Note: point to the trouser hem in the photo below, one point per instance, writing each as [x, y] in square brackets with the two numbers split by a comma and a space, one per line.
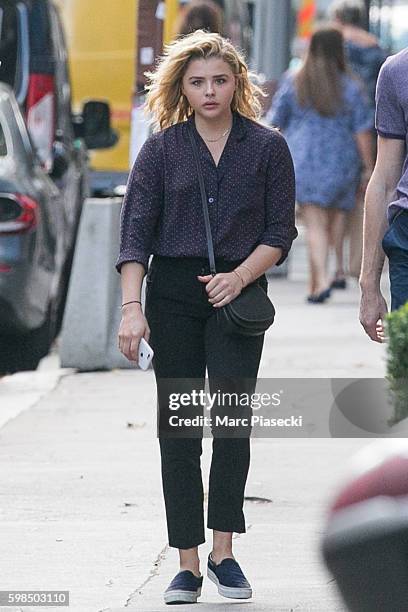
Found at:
[226, 528]
[185, 545]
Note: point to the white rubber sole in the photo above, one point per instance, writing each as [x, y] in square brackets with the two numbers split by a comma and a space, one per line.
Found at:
[231, 592]
[181, 597]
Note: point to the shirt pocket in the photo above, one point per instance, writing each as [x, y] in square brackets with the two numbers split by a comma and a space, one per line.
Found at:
[252, 189]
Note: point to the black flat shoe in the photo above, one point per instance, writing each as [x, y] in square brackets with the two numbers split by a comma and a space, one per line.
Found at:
[319, 298]
[229, 579]
[339, 283]
[184, 588]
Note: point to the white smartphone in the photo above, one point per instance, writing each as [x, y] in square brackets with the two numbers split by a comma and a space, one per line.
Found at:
[145, 354]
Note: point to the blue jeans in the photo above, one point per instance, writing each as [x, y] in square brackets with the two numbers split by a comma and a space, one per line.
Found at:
[395, 246]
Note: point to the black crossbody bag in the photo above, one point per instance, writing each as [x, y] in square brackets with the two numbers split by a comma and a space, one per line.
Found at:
[251, 313]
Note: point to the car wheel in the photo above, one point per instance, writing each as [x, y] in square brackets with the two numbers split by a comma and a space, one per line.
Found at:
[24, 352]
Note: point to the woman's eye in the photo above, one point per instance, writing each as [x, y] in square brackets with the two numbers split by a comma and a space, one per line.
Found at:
[196, 83]
[220, 81]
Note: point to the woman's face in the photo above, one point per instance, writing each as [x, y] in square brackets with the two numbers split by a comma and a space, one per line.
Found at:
[209, 86]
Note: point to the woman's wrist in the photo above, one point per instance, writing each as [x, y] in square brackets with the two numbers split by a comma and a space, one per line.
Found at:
[246, 273]
[240, 278]
[131, 305]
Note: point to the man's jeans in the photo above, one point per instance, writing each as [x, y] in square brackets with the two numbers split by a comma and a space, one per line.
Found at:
[395, 246]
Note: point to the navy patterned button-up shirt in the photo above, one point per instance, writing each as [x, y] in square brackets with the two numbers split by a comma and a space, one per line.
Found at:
[251, 195]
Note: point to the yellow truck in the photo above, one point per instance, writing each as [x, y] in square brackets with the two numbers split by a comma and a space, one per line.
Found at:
[107, 63]
[101, 40]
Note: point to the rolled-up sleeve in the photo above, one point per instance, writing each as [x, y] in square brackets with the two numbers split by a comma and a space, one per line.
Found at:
[390, 121]
[142, 204]
[280, 230]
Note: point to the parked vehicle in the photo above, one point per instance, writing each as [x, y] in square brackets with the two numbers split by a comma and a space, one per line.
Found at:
[102, 48]
[43, 177]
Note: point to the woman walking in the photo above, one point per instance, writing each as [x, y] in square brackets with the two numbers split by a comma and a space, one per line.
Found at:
[365, 57]
[201, 97]
[323, 113]
[200, 15]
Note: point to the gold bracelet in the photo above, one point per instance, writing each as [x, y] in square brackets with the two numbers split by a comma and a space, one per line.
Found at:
[249, 269]
[240, 278]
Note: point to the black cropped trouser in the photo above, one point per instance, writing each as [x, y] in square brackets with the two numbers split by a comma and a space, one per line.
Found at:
[187, 339]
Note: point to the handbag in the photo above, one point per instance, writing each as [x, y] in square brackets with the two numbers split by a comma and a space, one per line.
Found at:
[251, 313]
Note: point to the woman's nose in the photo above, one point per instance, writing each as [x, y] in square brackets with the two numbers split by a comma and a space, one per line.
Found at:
[209, 91]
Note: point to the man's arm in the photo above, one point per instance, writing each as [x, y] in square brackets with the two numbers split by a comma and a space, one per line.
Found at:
[381, 191]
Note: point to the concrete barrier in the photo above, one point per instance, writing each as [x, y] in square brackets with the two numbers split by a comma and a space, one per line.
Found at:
[92, 313]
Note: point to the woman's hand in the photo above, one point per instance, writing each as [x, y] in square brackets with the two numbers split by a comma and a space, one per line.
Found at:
[222, 288]
[133, 327]
[364, 180]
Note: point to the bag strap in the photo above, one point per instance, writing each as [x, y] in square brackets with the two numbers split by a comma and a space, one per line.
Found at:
[208, 233]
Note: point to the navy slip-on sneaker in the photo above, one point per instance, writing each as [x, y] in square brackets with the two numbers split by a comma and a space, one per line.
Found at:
[229, 578]
[184, 588]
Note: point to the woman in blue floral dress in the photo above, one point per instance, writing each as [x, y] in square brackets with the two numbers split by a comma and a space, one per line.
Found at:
[365, 57]
[323, 112]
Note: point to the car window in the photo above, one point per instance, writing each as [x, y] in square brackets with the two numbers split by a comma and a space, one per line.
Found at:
[8, 42]
[14, 47]
[3, 146]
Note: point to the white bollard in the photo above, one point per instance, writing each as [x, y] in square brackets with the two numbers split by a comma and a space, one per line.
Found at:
[92, 312]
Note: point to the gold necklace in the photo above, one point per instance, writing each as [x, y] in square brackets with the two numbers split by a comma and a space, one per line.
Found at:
[219, 138]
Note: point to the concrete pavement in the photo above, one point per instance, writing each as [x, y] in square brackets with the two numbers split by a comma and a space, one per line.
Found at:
[81, 502]
[82, 507]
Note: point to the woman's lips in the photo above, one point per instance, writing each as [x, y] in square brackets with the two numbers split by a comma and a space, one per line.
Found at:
[210, 104]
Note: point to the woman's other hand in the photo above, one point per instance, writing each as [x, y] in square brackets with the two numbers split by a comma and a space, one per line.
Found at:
[222, 288]
[364, 180]
[133, 327]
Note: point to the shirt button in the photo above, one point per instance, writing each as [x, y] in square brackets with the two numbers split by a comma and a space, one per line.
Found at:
[211, 200]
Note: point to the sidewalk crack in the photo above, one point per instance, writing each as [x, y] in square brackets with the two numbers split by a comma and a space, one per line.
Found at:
[153, 572]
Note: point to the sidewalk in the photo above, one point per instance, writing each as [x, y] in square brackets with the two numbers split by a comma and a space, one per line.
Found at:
[82, 506]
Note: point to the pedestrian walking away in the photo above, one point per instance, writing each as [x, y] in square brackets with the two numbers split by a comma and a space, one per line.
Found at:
[201, 99]
[323, 113]
[365, 57]
[200, 15]
[387, 190]
[363, 50]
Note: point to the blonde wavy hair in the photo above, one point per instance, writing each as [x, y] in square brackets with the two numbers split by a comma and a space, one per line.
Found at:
[165, 102]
